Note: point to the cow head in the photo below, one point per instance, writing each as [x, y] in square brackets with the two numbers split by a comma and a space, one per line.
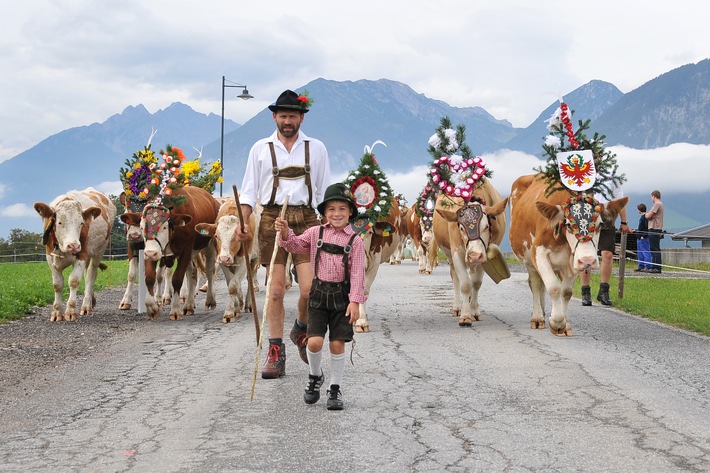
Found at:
[132, 221]
[224, 235]
[474, 224]
[65, 224]
[426, 226]
[580, 219]
[157, 224]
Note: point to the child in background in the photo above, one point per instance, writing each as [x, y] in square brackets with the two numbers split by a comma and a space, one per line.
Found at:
[643, 247]
[338, 263]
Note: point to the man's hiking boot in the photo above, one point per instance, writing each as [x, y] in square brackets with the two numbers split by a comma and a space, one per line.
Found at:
[298, 337]
[312, 393]
[335, 398]
[275, 364]
[586, 295]
[603, 295]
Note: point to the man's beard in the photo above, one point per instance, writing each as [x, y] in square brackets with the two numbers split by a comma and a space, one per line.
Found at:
[289, 131]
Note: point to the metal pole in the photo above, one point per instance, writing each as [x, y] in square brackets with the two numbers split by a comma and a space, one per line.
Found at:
[221, 143]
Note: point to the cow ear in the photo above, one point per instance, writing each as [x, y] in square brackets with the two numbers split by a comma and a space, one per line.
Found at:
[206, 229]
[180, 220]
[615, 206]
[553, 213]
[448, 215]
[91, 213]
[499, 208]
[130, 218]
[44, 210]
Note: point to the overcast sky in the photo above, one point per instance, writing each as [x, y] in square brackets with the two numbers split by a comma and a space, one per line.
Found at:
[75, 62]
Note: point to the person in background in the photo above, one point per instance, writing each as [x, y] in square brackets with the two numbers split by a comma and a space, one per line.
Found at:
[655, 231]
[643, 249]
[287, 163]
[607, 243]
[337, 258]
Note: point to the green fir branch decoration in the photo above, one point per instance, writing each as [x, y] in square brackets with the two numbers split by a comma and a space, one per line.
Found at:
[608, 176]
[369, 172]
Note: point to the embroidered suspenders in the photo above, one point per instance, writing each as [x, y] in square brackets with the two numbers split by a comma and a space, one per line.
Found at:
[291, 172]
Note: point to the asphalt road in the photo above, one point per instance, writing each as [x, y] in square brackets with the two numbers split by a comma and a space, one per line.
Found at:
[423, 394]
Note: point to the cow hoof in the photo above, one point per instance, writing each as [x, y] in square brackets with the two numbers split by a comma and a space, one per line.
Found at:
[465, 322]
[55, 317]
[567, 332]
[455, 312]
[70, 316]
[362, 328]
[87, 312]
[537, 324]
[124, 306]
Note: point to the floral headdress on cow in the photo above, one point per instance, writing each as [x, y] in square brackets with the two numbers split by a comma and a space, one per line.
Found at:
[454, 172]
[136, 175]
[369, 185]
[202, 175]
[575, 162]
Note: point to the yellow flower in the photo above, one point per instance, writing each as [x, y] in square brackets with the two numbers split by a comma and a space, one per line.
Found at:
[129, 174]
[142, 195]
[136, 165]
[190, 167]
[129, 192]
[220, 180]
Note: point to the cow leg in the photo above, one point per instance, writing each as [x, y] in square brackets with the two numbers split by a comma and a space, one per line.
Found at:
[210, 257]
[89, 301]
[127, 299]
[476, 277]
[229, 313]
[537, 287]
[559, 323]
[184, 266]
[151, 306]
[58, 285]
[234, 276]
[74, 280]
[421, 256]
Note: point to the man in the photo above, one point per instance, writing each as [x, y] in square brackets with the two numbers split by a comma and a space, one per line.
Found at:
[286, 164]
[655, 231]
[607, 243]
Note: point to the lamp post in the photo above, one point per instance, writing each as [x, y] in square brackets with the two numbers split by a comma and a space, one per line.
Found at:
[244, 96]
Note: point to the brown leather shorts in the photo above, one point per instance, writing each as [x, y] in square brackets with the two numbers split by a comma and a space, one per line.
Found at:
[299, 218]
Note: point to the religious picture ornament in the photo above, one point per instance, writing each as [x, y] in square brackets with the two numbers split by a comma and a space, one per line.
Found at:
[581, 212]
[371, 190]
[577, 170]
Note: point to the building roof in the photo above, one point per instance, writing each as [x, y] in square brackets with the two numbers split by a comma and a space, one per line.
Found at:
[694, 234]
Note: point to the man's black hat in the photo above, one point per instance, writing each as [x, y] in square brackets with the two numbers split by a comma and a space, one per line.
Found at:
[288, 100]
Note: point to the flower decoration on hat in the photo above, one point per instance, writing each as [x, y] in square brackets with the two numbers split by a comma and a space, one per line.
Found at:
[370, 187]
[575, 162]
[305, 100]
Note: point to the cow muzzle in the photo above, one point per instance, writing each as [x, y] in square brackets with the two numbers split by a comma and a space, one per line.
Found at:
[586, 263]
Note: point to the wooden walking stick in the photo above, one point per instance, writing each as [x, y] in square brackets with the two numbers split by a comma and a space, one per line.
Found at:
[266, 299]
[250, 276]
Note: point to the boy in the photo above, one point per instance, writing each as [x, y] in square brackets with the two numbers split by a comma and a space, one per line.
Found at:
[338, 263]
[643, 247]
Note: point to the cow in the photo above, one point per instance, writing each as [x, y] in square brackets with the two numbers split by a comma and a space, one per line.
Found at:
[381, 240]
[230, 255]
[398, 254]
[134, 238]
[469, 234]
[172, 232]
[77, 229]
[422, 234]
[556, 241]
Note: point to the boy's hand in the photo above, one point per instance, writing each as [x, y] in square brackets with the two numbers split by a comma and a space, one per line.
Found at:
[281, 225]
[353, 311]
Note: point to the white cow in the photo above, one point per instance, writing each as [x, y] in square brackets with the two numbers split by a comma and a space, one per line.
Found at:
[230, 255]
[77, 229]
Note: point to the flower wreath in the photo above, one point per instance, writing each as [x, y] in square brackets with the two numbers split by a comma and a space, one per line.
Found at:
[166, 177]
[457, 176]
[425, 205]
[136, 174]
[369, 185]
[580, 216]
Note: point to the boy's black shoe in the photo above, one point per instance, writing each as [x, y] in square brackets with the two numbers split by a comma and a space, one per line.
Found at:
[335, 398]
[312, 393]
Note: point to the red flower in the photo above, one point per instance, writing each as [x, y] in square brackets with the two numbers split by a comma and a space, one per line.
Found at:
[302, 98]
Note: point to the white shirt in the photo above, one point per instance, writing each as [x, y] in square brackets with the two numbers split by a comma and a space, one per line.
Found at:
[259, 179]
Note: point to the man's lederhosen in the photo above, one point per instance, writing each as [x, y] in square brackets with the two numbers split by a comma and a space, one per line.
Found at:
[328, 299]
[299, 217]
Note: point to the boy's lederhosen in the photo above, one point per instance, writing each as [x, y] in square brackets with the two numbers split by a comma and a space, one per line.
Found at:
[299, 217]
[328, 301]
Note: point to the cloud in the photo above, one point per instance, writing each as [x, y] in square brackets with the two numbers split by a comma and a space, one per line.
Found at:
[17, 211]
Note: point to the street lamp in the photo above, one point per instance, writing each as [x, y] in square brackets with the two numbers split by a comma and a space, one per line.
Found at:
[244, 96]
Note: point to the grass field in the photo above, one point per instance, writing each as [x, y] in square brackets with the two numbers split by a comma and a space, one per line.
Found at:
[29, 285]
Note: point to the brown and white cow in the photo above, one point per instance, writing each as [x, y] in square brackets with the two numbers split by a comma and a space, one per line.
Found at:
[398, 254]
[422, 233]
[230, 255]
[469, 235]
[554, 248]
[381, 240]
[77, 229]
[134, 238]
[172, 232]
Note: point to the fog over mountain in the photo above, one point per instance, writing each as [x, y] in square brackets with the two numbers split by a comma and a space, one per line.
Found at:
[660, 132]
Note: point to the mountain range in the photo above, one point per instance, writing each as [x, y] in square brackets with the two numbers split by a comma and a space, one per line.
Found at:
[347, 115]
